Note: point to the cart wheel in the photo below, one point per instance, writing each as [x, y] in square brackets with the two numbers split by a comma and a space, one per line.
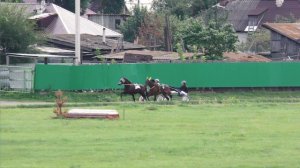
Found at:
[160, 98]
[185, 98]
[141, 99]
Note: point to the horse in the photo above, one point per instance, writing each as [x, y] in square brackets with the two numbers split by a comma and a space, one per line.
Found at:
[155, 88]
[132, 89]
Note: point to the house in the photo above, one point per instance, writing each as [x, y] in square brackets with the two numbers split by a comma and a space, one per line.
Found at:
[91, 43]
[57, 20]
[59, 26]
[248, 15]
[285, 40]
[111, 21]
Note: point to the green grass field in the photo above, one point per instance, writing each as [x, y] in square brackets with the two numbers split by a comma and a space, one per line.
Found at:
[253, 129]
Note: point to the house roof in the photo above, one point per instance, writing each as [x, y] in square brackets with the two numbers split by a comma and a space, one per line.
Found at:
[288, 7]
[156, 55]
[239, 10]
[90, 42]
[244, 57]
[62, 21]
[65, 24]
[290, 30]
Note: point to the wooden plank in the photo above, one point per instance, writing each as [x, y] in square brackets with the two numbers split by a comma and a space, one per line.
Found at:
[92, 113]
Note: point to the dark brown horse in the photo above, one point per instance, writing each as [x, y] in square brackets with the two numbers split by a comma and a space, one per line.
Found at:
[155, 89]
[132, 89]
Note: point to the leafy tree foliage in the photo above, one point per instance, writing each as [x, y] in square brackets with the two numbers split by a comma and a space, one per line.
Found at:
[70, 4]
[212, 39]
[130, 28]
[16, 31]
[109, 6]
[182, 8]
[151, 32]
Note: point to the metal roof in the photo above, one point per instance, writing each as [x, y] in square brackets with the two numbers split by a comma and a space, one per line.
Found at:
[62, 21]
[65, 24]
[91, 42]
[239, 10]
[290, 30]
[38, 55]
[156, 55]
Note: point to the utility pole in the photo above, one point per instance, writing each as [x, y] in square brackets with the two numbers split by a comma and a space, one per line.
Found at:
[77, 35]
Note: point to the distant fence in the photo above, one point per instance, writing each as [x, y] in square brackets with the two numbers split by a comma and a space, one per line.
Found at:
[197, 75]
[16, 78]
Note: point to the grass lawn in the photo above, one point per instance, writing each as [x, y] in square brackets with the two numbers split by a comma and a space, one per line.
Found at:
[225, 130]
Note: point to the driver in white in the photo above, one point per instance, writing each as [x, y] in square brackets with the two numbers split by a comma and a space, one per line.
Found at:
[183, 90]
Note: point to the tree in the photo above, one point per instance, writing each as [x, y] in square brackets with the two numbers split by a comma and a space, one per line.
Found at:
[130, 28]
[212, 39]
[183, 8]
[16, 31]
[151, 32]
[108, 6]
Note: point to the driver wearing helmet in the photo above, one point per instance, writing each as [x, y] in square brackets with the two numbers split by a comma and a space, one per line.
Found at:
[157, 82]
[183, 89]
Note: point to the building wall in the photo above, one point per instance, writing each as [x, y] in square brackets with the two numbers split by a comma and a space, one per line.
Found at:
[242, 36]
[109, 21]
[283, 47]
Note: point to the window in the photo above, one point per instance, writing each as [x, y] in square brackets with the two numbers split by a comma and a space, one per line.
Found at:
[117, 23]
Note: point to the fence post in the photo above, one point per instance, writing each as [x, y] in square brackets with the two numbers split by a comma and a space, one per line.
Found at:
[7, 60]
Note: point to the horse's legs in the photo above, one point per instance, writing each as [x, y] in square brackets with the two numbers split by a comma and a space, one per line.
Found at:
[170, 96]
[167, 97]
[133, 97]
[154, 97]
[144, 96]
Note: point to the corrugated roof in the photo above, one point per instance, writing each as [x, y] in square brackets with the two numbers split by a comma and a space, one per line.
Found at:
[290, 30]
[65, 24]
[288, 7]
[257, 11]
[240, 9]
[156, 55]
[244, 57]
[238, 12]
[90, 42]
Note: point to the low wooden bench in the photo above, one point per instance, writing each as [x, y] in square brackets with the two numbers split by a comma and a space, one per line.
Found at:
[92, 113]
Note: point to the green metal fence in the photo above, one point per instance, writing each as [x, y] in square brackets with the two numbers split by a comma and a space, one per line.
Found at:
[198, 75]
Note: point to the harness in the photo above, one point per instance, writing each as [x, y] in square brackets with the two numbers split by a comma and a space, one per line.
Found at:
[136, 86]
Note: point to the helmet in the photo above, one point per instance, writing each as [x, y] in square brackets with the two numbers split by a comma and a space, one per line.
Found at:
[156, 80]
[183, 82]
